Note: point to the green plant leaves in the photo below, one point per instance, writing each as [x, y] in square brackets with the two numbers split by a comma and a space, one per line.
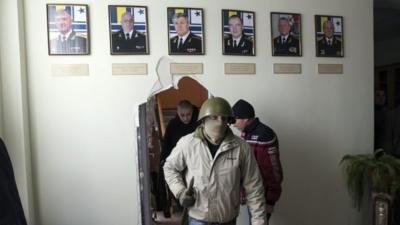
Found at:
[365, 171]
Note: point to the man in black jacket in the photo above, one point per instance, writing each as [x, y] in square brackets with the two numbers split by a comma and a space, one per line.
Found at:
[11, 212]
[185, 122]
[67, 41]
[329, 45]
[185, 41]
[237, 42]
[128, 40]
[286, 44]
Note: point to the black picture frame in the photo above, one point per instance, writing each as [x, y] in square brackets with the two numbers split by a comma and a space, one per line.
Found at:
[137, 42]
[329, 41]
[291, 28]
[193, 31]
[242, 24]
[68, 30]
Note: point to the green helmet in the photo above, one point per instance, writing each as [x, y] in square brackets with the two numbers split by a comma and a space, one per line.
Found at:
[216, 107]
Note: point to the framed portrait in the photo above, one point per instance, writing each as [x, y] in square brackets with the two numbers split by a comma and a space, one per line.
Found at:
[185, 31]
[238, 32]
[128, 30]
[329, 36]
[68, 29]
[286, 34]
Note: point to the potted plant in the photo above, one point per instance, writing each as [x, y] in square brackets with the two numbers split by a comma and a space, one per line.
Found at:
[379, 174]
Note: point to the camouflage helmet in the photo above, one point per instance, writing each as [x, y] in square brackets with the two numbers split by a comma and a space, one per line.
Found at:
[216, 107]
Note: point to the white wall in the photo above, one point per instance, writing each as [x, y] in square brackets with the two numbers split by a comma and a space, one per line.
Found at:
[82, 137]
[14, 102]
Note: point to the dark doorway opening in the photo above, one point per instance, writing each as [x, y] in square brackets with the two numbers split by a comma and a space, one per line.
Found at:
[387, 84]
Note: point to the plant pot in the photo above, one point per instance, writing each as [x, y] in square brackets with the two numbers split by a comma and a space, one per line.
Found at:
[381, 203]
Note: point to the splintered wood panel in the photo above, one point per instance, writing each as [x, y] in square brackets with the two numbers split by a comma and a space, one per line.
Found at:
[188, 89]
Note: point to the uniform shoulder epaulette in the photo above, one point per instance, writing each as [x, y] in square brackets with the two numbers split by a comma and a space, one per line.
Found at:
[196, 37]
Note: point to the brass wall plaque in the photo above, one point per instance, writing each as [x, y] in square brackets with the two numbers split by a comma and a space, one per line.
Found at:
[287, 68]
[240, 68]
[129, 69]
[186, 68]
[70, 69]
[330, 68]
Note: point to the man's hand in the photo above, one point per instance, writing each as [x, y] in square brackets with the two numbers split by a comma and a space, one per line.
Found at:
[187, 199]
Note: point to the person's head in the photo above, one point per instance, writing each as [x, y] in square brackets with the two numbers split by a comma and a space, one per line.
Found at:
[235, 26]
[185, 111]
[243, 113]
[181, 22]
[283, 26]
[127, 22]
[328, 28]
[216, 114]
[63, 21]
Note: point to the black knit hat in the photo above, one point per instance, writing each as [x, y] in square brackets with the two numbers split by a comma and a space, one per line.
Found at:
[243, 110]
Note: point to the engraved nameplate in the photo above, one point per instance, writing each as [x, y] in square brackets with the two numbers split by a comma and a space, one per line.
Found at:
[330, 68]
[70, 69]
[287, 68]
[186, 68]
[129, 69]
[240, 68]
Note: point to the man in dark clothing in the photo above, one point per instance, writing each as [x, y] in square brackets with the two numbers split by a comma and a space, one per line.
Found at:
[329, 44]
[237, 42]
[286, 44]
[67, 40]
[128, 40]
[265, 146]
[184, 41]
[11, 212]
[185, 122]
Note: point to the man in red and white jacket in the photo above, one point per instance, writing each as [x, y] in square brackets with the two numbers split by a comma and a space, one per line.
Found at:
[265, 146]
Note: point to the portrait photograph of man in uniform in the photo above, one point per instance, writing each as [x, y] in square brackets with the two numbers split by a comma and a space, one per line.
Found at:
[68, 29]
[128, 30]
[238, 32]
[286, 34]
[329, 36]
[185, 31]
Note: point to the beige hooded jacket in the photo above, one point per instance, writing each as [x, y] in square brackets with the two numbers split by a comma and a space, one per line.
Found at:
[217, 180]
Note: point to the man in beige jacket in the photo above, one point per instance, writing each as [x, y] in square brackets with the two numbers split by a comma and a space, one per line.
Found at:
[215, 163]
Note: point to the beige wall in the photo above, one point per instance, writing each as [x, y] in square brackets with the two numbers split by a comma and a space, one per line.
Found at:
[82, 128]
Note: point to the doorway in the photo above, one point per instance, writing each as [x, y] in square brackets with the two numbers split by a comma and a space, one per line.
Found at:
[158, 206]
[387, 85]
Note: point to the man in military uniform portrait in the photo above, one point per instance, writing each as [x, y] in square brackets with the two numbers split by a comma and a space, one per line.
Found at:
[185, 41]
[128, 40]
[285, 44]
[237, 42]
[329, 45]
[67, 41]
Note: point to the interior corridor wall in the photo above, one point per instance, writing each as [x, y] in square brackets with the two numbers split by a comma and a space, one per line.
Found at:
[82, 127]
[14, 122]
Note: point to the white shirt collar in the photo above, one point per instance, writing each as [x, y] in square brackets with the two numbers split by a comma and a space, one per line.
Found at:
[130, 34]
[65, 35]
[184, 37]
[237, 39]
